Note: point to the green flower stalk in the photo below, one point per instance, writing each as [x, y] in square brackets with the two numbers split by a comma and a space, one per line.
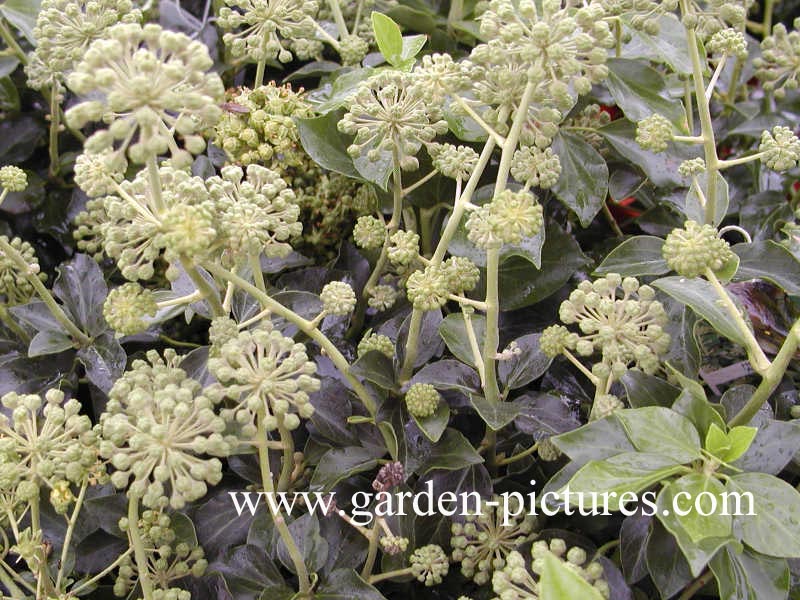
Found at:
[389, 113]
[158, 429]
[265, 373]
[422, 400]
[168, 560]
[483, 542]
[146, 81]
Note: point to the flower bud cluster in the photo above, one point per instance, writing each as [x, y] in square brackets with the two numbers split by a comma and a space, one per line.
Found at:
[643, 15]
[268, 376]
[382, 297]
[369, 232]
[99, 174]
[728, 42]
[404, 248]
[13, 179]
[626, 331]
[778, 67]
[14, 283]
[157, 430]
[150, 81]
[338, 298]
[66, 28]
[44, 442]
[126, 306]
[257, 213]
[430, 288]
[138, 225]
[437, 76]
[422, 400]
[389, 113]
[536, 168]
[509, 217]
[590, 118]
[483, 542]
[695, 248]
[654, 133]
[377, 343]
[455, 162]
[168, 558]
[264, 23]
[258, 126]
[515, 582]
[429, 564]
[781, 148]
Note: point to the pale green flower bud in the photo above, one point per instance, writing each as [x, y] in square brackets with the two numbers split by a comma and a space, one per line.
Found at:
[14, 283]
[508, 218]
[455, 162]
[13, 179]
[781, 148]
[555, 339]
[728, 42]
[352, 49]
[338, 298]
[369, 233]
[404, 248]
[126, 306]
[535, 167]
[422, 400]
[604, 405]
[376, 342]
[382, 297]
[654, 133]
[692, 167]
[429, 564]
[428, 289]
[695, 248]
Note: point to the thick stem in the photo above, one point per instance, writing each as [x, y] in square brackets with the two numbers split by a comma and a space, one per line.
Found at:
[139, 552]
[492, 336]
[756, 355]
[412, 345]
[54, 307]
[766, 23]
[372, 552]
[280, 523]
[287, 465]
[262, 62]
[520, 456]
[11, 42]
[155, 184]
[706, 125]
[697, 585]
[390, 575]
[208, 292]
[771, 379]
[55, 125]
[258, 274]
[338, 18]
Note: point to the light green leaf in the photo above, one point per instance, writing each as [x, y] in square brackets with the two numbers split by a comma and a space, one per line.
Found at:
[388, 37]
[453, 330]
[731, 445]
[690, 509]
[636, 256]
[668, 46]
[701, 297]
[744, 575]
[412, 44]
[659, 430]
[774, 529]
[558, 582]
[626, 472]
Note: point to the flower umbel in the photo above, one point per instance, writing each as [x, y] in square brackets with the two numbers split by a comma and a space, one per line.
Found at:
[151, 81]
[695, 248]
[158, 425]
[268, 375]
